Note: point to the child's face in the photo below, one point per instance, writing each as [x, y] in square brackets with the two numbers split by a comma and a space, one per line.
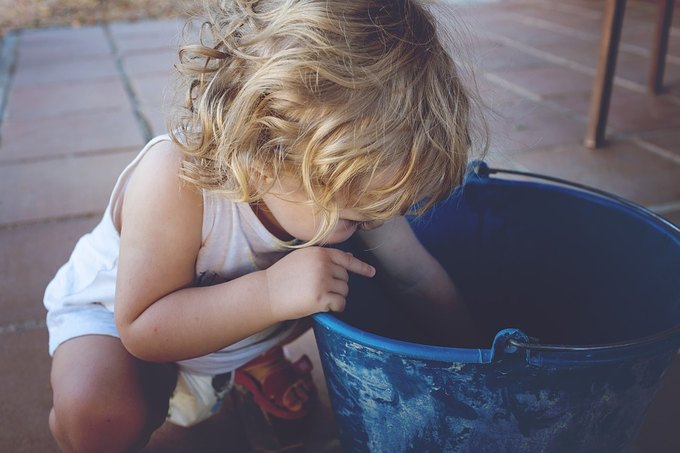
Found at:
[289, 214]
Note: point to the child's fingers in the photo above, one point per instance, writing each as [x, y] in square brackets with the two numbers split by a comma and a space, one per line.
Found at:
[352, 264]
[335, 302]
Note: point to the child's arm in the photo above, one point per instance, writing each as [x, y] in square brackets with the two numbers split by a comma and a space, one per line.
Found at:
[161, 317]
[420, 283]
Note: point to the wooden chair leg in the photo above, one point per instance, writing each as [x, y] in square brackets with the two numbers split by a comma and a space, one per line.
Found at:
[658, 60]
[604, 75]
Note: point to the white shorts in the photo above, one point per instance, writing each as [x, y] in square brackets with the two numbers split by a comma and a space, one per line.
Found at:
[72, 321]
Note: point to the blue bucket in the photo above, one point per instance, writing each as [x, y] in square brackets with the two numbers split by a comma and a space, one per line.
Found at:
[578, 296]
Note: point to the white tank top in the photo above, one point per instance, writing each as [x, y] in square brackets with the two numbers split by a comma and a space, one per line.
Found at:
[234, 243]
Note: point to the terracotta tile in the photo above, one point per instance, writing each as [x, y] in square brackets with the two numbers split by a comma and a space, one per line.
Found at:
[147, 43]
[156, 118]
[38, 37]
[30, 256]
[162, 62]
[575, 20]
[638, 33]
[25, 392]
[495, 94]
[549, 80]
[629, 111]
[156, 98]
[474, 18]
[524, 32]
[154, 89]
[635, 68]
[667, 140]
[526, 125]
[496, 57]
[633, 112]
[620, 168]
[673, 90]
[581, 51]
[59, 188]
[77, 133]
[60, 71]
[644, 11]
[59, 99]
[674, 44]
[659, 432]
[673, 217]
[36, 47]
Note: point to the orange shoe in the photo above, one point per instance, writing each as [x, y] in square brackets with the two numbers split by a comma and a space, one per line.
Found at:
[283, 389]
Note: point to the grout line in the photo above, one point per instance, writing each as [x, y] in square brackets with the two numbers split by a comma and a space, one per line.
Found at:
[567, 8]
[142, 121]
[23, 326]
[501, 81]
[665, 208]
[58, 218]
[658, 150]
[7, 65]
[72, 155]
[565, 62]
[595, 37]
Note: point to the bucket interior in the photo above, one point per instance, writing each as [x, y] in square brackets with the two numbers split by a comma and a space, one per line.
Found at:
[562, 265]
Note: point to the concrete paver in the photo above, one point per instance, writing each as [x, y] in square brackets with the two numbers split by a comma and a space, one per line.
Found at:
[25, 394]
[60, 99]
[59, 44]
[43, 190]
[64, 71]
[668, 141]
[69, 135]
[81, 103]
[631, 111]
[155, 95]
[523, 125]
[622, 168]
[549, 80]
[150, 63]
[31, 254]
[659, 430]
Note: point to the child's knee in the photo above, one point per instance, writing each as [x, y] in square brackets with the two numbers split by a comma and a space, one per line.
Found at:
[83, 423]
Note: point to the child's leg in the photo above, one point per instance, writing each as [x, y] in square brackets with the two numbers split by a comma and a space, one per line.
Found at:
[105, 399]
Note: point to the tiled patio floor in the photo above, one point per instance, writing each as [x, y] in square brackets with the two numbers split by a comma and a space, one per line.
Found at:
[78, 104]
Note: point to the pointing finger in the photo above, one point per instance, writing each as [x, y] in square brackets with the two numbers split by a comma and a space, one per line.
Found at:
[352, 264]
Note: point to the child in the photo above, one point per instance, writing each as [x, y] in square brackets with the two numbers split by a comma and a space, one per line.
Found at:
[308, 121]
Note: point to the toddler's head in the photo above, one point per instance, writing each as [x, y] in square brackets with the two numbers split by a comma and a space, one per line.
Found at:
[356, 101]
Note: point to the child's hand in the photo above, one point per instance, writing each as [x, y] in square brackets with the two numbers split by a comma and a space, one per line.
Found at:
[311, 280]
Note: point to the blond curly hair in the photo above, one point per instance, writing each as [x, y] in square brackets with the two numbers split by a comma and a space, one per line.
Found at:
[331, 92]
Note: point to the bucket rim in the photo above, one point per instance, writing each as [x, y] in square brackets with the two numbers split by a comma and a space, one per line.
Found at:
[663, 340]
[480, 172]
[403, 348]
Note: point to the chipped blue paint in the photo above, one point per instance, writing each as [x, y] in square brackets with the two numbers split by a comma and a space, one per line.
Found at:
[393, 393]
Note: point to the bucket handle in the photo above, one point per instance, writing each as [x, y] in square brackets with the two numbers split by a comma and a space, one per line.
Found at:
[532, 344]
[481, 169]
